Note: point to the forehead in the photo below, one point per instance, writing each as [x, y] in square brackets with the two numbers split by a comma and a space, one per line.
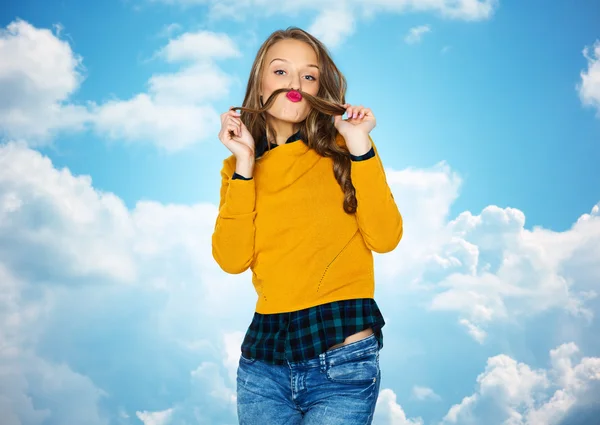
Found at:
[295, 51]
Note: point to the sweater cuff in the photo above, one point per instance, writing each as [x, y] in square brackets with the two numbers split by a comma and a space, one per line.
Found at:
[363, 157]
[368, 177]
[241, 196]
[237, 176]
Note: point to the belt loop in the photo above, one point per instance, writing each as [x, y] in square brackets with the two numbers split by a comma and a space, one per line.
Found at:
[323, 362]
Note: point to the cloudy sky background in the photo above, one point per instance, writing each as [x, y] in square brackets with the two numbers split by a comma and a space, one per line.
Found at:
[112, 310]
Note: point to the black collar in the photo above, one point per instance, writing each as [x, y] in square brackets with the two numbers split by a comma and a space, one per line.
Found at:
[263, 145]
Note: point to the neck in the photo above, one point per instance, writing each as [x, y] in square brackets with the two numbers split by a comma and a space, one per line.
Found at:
[283, 129]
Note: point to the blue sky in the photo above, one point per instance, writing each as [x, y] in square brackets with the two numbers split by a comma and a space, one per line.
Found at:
[489, 127]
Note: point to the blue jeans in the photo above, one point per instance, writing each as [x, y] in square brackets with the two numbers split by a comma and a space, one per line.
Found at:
[339, 386]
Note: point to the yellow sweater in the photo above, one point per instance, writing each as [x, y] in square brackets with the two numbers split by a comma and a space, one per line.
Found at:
[288, 225]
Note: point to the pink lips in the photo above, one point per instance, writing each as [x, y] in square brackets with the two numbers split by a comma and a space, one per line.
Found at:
[294, 96]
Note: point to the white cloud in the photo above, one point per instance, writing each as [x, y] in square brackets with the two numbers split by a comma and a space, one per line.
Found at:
[389, 412]
[72, 260]
[41, 73]
[155, 418]
[33, 390]
[176, 112]
[477, 333]
[88, 232]
[461, 409]
[170, 29]
[589, 87]
[510, 382]
[335, 20]
[199, 46]
[469, 10]
[489, 268]
[415, 34]
[424, 197]
[211, 394]
[510, 392]
[38, 74]
[142, 120]
[454, 9]
[232, 341]
[211, 400]
[332, 26]
[195, 84]
[424, 393]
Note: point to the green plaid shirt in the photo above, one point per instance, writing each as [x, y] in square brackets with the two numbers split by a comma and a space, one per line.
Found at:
[304, 334]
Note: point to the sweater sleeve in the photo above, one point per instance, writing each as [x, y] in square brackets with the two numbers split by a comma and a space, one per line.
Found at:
[379, 219]
[233, 236]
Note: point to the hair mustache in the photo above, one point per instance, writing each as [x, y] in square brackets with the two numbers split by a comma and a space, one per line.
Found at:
[324, 106]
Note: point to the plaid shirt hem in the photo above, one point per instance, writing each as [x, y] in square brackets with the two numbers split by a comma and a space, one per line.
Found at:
[304, 334]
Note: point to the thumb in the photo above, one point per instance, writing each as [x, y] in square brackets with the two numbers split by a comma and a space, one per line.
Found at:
[337, 119]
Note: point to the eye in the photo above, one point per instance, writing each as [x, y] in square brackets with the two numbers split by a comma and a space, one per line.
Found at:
[282, 72]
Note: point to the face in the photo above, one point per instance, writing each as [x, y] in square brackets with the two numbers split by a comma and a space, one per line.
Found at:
[289, 64]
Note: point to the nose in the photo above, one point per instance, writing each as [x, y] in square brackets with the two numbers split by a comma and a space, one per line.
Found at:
[294, 82]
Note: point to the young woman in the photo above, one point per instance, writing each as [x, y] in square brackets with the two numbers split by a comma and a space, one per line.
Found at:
[304, 203]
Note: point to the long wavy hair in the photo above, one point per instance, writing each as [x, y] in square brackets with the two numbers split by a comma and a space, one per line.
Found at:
[318, 128]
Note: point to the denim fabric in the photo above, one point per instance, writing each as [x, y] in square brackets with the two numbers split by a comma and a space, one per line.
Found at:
[340, 386]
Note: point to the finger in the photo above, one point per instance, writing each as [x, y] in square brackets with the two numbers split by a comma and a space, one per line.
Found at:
[232, 119]
[233, 127]
[349, 111]
[235, 120]
[238, 124]
[347, 106]
[229, 113]
[358, 112]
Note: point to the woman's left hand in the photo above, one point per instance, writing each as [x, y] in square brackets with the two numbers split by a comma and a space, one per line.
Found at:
[360, 121]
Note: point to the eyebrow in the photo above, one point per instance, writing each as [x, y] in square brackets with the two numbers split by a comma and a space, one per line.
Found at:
[312, 65]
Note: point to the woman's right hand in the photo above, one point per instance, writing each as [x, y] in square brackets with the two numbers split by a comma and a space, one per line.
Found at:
[236, 137]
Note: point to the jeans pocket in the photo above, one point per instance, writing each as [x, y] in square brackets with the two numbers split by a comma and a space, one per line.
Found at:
[359, 369]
